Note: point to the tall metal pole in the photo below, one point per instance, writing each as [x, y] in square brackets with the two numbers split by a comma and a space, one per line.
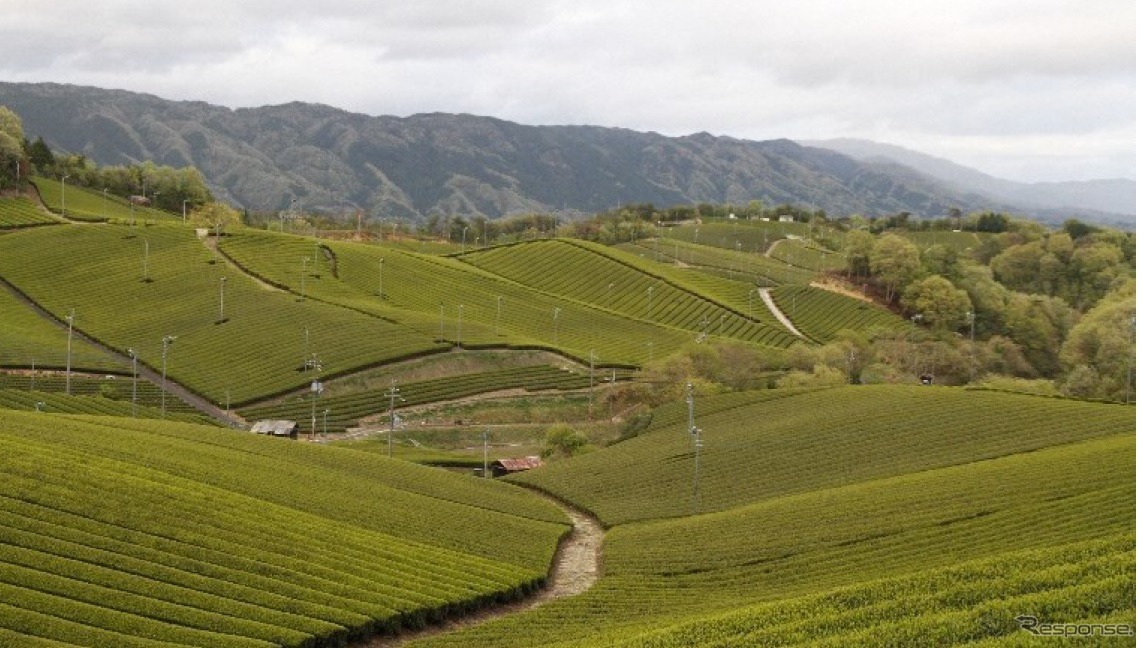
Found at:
[441, 335]
[63, 196]
[500, 301]
[460, 313]
[393, 393]
[591, 384]
[167, 340]
[221, 298]
[146, 258]
[380, 267]
[134, 378]
[555, 331]
[485, 474]
[697, 442]
[305, 260]
[67, 379]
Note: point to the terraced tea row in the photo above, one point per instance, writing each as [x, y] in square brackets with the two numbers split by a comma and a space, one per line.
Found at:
[58, 403]
[21, 212]
[450, 300]
[821, 314]
[346, 410]
[148, 531]
[28, 339]
[577, 271]
[118, 278]
[679, 579]
[116, 388]
[79, 203]
[795, 444]
[744, 266]
[963, 604]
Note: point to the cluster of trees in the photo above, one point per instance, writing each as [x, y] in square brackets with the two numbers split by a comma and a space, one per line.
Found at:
[166, 187]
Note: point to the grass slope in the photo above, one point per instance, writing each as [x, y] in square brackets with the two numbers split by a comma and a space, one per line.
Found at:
[26, 338]
[260, 347]
[17, 211]
[833, 525]
[82, 204]
[806, 441]
[126, 533]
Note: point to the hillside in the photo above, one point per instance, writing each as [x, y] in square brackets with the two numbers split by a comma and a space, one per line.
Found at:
[134, 534]
[410, 167]
[857, 516]
[1110, 201]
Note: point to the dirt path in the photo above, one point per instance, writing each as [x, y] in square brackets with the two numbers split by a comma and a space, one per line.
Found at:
[771, 248]
[575, 568]
[765, 295]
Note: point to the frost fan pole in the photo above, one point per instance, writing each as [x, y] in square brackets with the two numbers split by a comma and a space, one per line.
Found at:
[697, 442]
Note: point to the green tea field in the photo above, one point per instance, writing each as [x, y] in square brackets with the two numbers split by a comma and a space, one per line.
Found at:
[849, 516]
[172, 534]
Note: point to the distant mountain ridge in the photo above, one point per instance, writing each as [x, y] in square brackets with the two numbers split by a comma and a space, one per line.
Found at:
[410, 167]
[1113, 196]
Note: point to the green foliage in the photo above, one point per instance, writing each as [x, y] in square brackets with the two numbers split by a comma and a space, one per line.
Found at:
[149, 531]
[931, 554]
[21, 212]
[894, 261]
[81, 204]
[346, 410]
[215, 216]
[11, 145]
[940, 303]
[1099, 353]
[28, 339]
[259, 350]
[562, 441]
[822, 315]
[760, 446]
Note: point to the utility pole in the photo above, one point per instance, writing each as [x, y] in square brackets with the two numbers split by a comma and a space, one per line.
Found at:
[167, 340]
[394, 394]
[485, 474]
[67, 379]
[460, 313]
[696, 436]
[380, 267]
[500, 301]
[316, 390]
[221, 297]
[441, 335]
[591, 384]
[134, 378]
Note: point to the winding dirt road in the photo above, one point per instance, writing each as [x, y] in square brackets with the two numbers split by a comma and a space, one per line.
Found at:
[575, 569]
[765, 295]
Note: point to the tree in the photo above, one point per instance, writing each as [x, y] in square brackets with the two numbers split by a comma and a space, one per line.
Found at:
[894, 261]
[561, 440]
[857, 248]
[1100, 350]
[11, 144]
[941, 304]
[41, 156]
[215, 216]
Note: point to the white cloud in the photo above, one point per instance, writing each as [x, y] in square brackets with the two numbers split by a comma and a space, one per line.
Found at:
[1011, 80]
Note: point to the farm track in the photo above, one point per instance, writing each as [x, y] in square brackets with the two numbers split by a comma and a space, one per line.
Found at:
[145, 372]
[575, 569]
[765, 295]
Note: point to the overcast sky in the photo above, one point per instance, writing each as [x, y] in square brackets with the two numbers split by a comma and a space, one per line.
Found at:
[1021, 89]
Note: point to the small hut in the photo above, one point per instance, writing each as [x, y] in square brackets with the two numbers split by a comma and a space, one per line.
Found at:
[276, 428]
[502, 467]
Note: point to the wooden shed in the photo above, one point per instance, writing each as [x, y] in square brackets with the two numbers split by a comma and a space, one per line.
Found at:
[276, 428]
[502, 467]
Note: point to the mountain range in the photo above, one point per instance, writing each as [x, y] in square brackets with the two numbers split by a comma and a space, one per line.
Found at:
[410, 167]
